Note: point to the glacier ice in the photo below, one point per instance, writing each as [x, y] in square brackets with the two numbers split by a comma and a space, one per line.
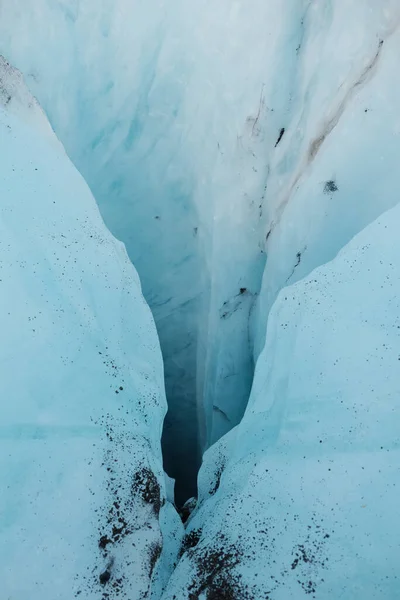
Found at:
[83, 494]
[173, 116]
[234, 148]
[301, 499]
[97, 90]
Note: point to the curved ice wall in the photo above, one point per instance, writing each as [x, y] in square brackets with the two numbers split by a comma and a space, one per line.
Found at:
[226, 145]
[83, 508]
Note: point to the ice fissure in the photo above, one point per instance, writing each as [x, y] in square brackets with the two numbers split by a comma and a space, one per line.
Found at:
[246, 155]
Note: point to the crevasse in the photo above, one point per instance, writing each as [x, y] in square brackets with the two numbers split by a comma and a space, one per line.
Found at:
[199, 190]
[234, 149]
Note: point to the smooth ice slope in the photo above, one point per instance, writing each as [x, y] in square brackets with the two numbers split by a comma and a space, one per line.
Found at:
[219, 139]
[82, 503]
[301, 499]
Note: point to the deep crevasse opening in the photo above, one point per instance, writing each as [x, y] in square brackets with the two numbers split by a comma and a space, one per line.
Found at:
[139, 150]
[197, 190]
[204, 179]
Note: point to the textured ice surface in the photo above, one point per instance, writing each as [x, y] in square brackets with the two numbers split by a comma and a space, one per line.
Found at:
[216, 139]
[334, 170]
[235, 147]
[111, 76]
[301, 499]
[82, 503]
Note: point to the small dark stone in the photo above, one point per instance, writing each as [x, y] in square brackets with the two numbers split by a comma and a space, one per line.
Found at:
[330, 187]
[105, 577]
[104, 541]
[282, 131]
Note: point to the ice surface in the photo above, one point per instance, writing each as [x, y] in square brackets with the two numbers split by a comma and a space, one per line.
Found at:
[111, 84]
[81, 383]
[173, 115]
[301, 499]
[234, 148]
[334, 170]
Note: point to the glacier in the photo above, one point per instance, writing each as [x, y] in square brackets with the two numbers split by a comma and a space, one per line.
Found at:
[177, 136]
[301, 499]
[83, 494]
[246, 156]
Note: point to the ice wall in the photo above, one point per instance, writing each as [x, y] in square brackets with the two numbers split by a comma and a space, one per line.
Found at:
[233, 148]
[83, 512]
[301, 499]
[334, 169]
[111, 84]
